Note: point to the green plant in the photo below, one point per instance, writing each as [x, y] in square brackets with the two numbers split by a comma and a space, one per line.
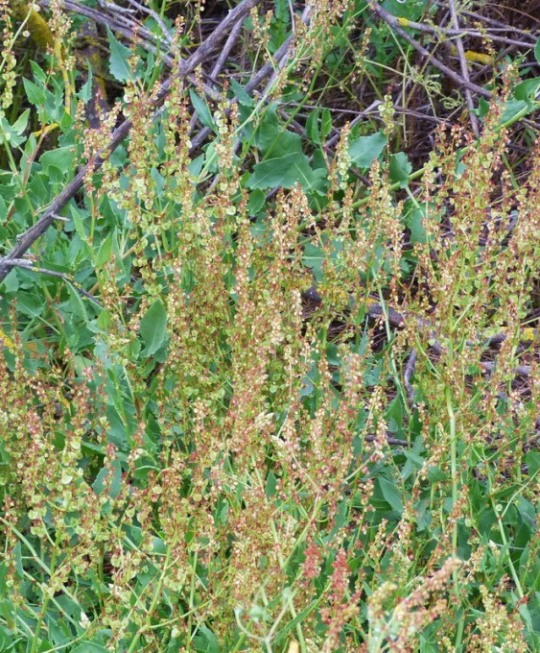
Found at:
[266, 386]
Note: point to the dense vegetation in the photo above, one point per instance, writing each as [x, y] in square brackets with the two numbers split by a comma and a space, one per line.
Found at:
[269, 319]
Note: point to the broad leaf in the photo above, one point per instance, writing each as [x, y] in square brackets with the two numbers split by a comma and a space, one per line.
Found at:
[89, 647]
[400, 169]
[391, 494]
[61, 158]
[365, 149]
[202, 109]
[283, 172]
[273, 140]
[119, 62]
[154, 327]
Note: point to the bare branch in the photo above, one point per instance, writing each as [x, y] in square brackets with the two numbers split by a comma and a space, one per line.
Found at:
[407, 376]
[26, 264]
[393, 22]
[464, 69]
[426, 28]
[395, 442]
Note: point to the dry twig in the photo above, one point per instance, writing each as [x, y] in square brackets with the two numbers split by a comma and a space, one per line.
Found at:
[393, 22]
[26, 264]
[464, 69]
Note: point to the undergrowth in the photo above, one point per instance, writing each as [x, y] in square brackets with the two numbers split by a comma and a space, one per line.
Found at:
[261, 392]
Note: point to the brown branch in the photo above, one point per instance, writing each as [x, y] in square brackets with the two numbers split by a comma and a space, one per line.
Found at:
[488, 367]
[407, 377]
[26, 264]
[218, 66]
[395, 442]
[464, 69]
[393, 22]
[29, 237]
[499, 25]
[132, 30]
[156, 17]
[117, 23]
[225, 52]
[425, 28]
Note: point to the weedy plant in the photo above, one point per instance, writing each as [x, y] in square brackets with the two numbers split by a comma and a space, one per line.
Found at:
[265, 387]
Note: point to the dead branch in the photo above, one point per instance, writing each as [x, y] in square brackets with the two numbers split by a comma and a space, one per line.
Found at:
[393, 22]
[464, 69]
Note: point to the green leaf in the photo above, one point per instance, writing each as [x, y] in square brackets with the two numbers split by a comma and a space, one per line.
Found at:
[527, 90]
[154, 327]
[205, 641]
[78, 309]
[391, 494]
[271, 485]
[107, 478]
[273, 140]
[415, 221]
[527, 513]
[119, 62]
[319, 125]
[66, 123]
[410, 10]
[78, 222]
[537, 51]
[241, 94]
[312, 126]
[326, 123]
[85, 92]
[283, 172]
[13, 134]
[39, 74]
[532, 459]
[36, 94]
[104, 252]
[22, 121]
[282, 143]
[61, 158]
[3, 208]
[89, 647]
[400, 169]
[365, 149]
[202, 109]
[29, 304]
[435, 474]
[314, 258]
[256, 201]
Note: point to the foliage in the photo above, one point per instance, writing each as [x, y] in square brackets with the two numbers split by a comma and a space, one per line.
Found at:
[199, 450]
